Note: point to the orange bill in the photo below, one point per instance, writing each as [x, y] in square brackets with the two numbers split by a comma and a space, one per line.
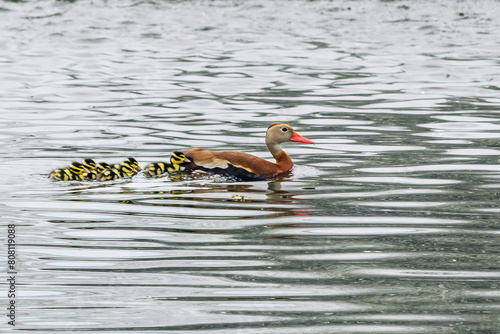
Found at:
[300, 139]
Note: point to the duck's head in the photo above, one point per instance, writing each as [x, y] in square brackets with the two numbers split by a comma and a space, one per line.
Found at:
[89, 164]
[76, 168]
[101, 166]
[278, 133]
[132, 163]
[126, 169]
[177, 158]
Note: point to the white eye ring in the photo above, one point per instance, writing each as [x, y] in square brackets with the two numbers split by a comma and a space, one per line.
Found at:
[284, 129]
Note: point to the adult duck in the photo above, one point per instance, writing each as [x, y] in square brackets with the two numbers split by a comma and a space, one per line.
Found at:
[244, 166]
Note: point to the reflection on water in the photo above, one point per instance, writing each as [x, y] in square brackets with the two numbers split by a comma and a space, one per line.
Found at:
[387, 225]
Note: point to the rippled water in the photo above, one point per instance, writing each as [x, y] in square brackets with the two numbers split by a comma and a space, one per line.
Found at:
[389, 224]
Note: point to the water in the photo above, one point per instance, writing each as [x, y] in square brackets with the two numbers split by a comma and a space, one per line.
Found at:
[388, 224]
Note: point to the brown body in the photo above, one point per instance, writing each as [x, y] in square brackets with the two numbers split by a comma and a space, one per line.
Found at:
[244, 165]
[251, 163]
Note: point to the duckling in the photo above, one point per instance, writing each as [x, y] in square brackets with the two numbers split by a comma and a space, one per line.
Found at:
[131, 162]
[101, 166]
[98, 168]
[74, 172]
[124, 170]
[175, 165]
[89, 164]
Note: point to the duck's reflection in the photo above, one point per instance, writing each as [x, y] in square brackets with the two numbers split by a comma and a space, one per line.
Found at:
[281, 196]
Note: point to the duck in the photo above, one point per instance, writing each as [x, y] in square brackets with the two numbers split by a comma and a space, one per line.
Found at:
[115, 173]
[127, 168]
[88, 163]
[98, 168]
[101, 166]
[131, 162]
[247, 167]
[177, 159]
[74, 172]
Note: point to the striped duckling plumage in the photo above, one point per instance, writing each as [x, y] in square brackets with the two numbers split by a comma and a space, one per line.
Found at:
[74, 172]
[92, 172]
[177, 159]
[131, 162]
[127, 168]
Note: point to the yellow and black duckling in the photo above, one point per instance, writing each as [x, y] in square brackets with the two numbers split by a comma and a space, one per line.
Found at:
[89, 164]
[92, 173]
[127, 168]
[175, 165]
[101, 166]
[74, 172]
[131, 162]
[115, 173]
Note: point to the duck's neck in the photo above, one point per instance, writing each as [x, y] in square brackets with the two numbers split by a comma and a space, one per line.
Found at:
[283, 161]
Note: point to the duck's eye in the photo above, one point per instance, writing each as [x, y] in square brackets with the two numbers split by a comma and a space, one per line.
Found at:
[284, 129]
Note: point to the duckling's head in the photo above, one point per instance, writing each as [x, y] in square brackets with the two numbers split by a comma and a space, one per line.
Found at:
[101, 166]
[131, 162]
[178, 158]
[126, 169]
[76, 168]
[89, 163]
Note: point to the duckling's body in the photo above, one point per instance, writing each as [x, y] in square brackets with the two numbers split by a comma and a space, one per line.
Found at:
[175, 165]
[131, 162]
[74, 172]
[115, 173]
[99, 168]
[127, 168]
